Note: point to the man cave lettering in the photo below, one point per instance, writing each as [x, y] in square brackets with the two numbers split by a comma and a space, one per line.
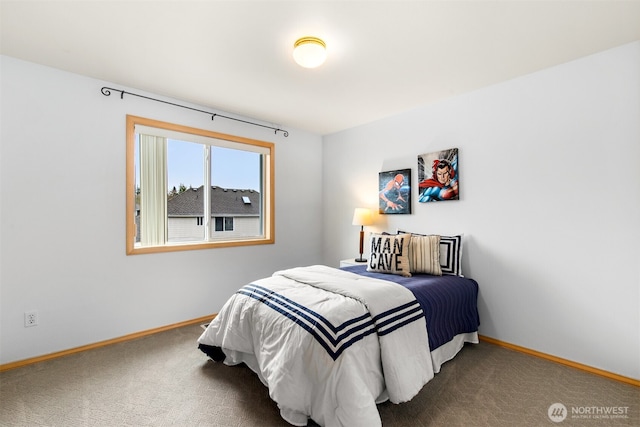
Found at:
[384, 256]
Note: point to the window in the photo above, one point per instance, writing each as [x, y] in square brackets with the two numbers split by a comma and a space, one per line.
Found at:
[193, 189]
[224, 223]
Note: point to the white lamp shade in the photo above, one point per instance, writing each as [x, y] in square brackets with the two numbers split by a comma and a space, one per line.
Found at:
[362, 216]
[309, 52]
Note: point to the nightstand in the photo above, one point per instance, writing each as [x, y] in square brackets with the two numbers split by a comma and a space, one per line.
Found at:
[351, 261]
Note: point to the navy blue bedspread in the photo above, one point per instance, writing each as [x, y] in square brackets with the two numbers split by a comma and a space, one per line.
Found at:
[450, 303]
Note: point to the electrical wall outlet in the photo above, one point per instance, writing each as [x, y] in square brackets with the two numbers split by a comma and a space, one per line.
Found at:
[30, 318]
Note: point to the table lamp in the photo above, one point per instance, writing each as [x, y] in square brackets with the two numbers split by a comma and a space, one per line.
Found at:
[362, 217]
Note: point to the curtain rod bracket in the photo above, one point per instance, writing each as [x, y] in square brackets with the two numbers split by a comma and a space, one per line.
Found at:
[106, 91]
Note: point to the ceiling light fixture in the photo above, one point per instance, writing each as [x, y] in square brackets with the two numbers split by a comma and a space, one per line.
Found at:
[309, 52]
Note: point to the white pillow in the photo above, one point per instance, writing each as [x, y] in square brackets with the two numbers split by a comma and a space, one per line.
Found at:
[389, 254]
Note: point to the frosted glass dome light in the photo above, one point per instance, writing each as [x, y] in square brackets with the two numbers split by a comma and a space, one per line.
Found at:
[309, 52]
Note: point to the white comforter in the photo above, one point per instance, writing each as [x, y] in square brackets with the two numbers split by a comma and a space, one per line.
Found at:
[328, 344]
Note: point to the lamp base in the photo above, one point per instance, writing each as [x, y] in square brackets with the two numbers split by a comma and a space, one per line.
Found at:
[360, 259]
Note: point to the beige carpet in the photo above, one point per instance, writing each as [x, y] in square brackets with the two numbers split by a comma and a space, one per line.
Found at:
[163, 380]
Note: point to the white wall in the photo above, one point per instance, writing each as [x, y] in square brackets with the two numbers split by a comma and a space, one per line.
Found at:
[549, 202]
[550, 207]
[63, 217]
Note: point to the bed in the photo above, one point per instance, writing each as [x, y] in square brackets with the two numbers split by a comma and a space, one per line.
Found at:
[330, 344]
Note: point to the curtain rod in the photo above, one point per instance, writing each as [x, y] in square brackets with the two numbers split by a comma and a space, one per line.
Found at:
[106, 91]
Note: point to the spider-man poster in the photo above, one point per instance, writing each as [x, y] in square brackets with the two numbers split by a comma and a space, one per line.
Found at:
[438, 176]
[395, 192]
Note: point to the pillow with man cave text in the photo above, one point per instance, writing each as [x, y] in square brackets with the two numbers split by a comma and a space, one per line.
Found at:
[389, 254]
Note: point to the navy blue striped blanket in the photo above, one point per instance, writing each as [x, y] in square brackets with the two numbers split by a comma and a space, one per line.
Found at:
[449, 302]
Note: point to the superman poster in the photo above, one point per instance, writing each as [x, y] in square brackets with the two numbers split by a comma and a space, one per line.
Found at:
[438, 176]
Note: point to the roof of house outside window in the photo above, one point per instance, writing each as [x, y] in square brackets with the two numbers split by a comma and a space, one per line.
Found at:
[224, 202]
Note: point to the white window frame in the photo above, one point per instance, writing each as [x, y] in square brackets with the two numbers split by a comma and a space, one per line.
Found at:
[267, 149]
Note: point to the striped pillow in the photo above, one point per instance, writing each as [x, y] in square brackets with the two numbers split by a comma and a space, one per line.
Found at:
[424, 255]
[451, 255]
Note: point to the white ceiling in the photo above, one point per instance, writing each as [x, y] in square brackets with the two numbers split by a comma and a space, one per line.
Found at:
[384, 57]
